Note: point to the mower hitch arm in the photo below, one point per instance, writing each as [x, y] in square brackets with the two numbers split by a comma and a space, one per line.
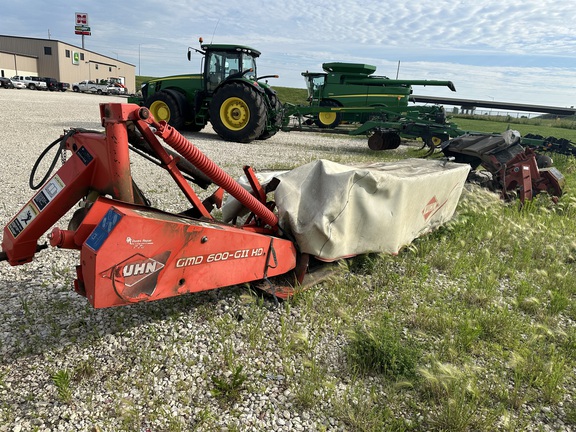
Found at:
[193, 155]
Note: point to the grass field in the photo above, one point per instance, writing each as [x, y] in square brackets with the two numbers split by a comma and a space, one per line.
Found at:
[470, 328]
[559, 128]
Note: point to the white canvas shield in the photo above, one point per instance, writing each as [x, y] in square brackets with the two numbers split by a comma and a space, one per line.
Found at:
[335, 211]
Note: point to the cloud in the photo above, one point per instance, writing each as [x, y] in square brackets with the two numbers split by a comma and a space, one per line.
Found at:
[514, 49]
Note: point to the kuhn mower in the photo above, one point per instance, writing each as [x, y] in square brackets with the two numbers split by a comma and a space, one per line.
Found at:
[131, 252]
[509, 168]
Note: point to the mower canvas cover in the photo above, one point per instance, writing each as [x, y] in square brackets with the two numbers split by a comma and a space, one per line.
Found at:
[335, 211]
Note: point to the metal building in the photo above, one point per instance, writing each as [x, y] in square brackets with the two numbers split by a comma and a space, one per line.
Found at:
[60, 60]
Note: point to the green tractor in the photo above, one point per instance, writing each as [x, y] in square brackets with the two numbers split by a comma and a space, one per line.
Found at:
[352, 85]
[228, 93]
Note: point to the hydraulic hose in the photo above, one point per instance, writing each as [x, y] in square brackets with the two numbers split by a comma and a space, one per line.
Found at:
[62, 141]
[191, 153]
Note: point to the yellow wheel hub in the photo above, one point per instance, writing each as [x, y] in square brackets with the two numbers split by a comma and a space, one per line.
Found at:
[327, 118]
[160, 111]
[436, 141]
[234, 113]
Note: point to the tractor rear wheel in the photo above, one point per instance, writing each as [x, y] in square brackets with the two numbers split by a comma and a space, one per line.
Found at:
[238, 113]
[328, 119]
[164, 106]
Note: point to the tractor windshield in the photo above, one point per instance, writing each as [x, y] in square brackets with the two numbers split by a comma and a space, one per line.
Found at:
[314, 84]
[249, 62]
[222, 64]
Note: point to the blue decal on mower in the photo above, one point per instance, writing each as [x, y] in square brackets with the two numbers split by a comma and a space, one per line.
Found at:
[103, 230]
[84, 155]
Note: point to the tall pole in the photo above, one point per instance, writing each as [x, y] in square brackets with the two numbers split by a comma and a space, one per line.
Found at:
[139, 73]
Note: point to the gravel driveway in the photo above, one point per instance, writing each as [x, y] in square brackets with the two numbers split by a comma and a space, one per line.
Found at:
[67, 367]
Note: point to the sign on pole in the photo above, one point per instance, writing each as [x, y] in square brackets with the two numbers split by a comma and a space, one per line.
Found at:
[81, 26]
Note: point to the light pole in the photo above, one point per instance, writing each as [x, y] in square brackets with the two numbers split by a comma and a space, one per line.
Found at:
[139, 72]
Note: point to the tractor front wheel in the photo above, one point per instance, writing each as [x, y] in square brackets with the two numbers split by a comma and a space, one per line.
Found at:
[164, 106]
[238, 113]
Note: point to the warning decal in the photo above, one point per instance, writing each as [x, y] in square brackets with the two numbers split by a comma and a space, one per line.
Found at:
[26, 215]
[52, 188]
[48, 192]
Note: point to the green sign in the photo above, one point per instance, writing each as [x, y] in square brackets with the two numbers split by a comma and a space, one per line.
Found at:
[75, 57]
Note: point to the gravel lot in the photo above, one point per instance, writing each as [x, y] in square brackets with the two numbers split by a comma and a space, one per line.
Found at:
[148, 366]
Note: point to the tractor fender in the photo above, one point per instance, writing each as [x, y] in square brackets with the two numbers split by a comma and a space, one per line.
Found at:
[241, 81]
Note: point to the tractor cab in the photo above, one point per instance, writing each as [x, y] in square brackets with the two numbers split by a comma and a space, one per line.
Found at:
[225, 61]
[315, 82]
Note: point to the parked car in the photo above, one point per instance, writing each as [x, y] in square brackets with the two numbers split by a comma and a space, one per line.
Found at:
[6, 83]
[62, 86]
[18, 84]
[54, 85]
[33, 83]
[116, 90]
[90, 87]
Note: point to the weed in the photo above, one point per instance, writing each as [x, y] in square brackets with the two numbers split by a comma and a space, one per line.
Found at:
[554, 374]
[84, 370]
[311, 383]
[229, 386]
[571, 414]
[368, 411]
[61, 380]
[455, 395]
[128, 415]
[201, 419]
[364, 264]
[381, 348]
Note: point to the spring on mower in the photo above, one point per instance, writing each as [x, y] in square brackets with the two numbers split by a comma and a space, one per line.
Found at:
[191, 153]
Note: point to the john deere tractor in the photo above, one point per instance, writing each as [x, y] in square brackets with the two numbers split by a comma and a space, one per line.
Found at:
[228, 93]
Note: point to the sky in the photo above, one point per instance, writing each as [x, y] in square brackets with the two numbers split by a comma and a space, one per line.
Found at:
[505, 50]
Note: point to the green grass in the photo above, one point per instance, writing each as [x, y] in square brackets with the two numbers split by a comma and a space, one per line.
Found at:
[292, 95]
[559, 128]
[379, 347]
[62, 380]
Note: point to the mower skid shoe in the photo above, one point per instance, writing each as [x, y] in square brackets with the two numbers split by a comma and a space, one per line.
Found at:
[308, 273]
[136, 254]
